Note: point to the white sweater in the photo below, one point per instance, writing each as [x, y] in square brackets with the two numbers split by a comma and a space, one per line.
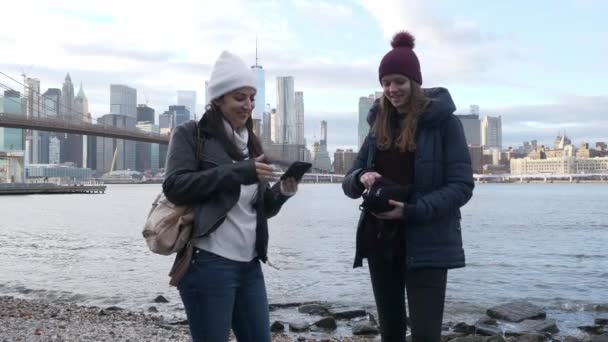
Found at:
[235, 238]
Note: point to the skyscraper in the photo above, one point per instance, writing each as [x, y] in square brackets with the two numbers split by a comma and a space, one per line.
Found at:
[321, 159]
[145, 113]
[491, 132]
[299, 103]
[54, 150]
[32, 96]
[11, 139]
[474, 109]
[260, 96]
[472, 128]
[67, 94]
[187, 98]
[107, 147]
[365, 104]
[81, 105]
[147, 154]
[166, 122]
[123, 100]
[51, 104]
[286, 118]
[32, 110]
[71, 144]
[81, 113]
[180, 114]
[324, 132]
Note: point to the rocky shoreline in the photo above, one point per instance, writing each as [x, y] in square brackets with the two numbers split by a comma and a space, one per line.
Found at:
[33, 320]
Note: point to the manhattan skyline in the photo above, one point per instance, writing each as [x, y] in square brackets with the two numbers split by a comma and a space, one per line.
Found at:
[541, 75]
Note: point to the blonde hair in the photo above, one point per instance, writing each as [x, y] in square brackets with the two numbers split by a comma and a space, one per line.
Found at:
[406, 138]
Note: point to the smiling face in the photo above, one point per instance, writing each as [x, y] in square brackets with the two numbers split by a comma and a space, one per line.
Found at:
[397, 89]
[237, 106]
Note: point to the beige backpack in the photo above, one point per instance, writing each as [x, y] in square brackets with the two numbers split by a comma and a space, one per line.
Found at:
[168, 227]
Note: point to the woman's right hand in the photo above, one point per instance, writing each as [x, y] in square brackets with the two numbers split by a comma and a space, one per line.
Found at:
[263, 170]
[369, 178]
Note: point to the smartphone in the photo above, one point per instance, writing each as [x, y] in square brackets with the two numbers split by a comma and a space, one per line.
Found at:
[297, 170]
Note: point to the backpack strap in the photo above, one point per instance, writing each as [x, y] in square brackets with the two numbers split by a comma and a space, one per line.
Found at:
[198, 140]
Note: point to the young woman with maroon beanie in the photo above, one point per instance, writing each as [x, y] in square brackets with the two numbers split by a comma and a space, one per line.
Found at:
[416, 144]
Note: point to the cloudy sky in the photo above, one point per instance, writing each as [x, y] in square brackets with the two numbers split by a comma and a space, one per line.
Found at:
[540, 64]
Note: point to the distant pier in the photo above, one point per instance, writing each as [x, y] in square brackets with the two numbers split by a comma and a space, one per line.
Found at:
[50, 188]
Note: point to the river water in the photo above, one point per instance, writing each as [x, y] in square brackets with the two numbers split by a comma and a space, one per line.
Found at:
[546, 243]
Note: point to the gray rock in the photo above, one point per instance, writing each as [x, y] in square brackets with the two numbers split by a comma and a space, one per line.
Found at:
[160, 299]
[276, 306]
[600, 338]
[486, 321]
[601, 321]
[349, 314]
[516, 311]
[327, 323]
[469, 339]
[529, 325]
[462, 327]
[152, 309]
[450, 335]
[301, 339]
[298, 327]
[372, 318]
[102, 313]
[601, 307]
[365, 328]
[497, 338]
[277, 327]
[314, 309]
[182, 322]
[531, 338]
[592, 329]
[572, 339]
[114, 308]
[487, 330]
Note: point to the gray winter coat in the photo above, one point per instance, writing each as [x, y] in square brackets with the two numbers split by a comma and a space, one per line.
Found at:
[212, 185]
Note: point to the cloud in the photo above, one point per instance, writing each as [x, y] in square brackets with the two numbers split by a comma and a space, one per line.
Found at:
[324, 12]
[583, 118]
[450, 50]
[106, 49]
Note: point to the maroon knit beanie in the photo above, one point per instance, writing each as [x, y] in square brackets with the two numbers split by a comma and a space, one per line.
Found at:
[401, 59]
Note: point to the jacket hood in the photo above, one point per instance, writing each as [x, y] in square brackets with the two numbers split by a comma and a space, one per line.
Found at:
[440, 107]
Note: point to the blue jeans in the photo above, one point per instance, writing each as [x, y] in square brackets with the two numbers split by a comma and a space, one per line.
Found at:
[219, 293]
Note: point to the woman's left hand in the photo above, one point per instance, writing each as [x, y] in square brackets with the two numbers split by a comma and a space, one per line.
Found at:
[289, 186]
[394, 214]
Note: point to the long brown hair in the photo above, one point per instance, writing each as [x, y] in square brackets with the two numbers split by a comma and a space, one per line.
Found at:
[407, 123]
[213, 121]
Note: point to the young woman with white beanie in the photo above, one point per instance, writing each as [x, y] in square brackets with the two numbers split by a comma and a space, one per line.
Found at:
[228, 185]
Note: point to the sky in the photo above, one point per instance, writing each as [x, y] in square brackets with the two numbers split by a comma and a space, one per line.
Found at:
[539, 64]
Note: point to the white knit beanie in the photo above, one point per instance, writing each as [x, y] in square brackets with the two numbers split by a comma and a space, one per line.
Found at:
[229, 73]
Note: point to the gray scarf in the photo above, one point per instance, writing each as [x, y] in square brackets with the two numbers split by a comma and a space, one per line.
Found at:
[239, 137]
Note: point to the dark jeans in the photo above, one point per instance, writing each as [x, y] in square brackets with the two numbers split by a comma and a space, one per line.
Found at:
[425, 297]
[219, 293]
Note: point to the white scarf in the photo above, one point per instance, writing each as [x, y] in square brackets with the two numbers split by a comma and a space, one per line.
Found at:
[239, 137]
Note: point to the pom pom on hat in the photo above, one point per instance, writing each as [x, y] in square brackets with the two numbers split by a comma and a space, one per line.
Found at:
[403, 39]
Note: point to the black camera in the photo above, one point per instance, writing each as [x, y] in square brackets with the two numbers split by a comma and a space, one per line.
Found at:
[377, 197]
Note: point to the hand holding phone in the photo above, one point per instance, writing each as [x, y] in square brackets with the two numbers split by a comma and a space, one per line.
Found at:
[296, 171]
